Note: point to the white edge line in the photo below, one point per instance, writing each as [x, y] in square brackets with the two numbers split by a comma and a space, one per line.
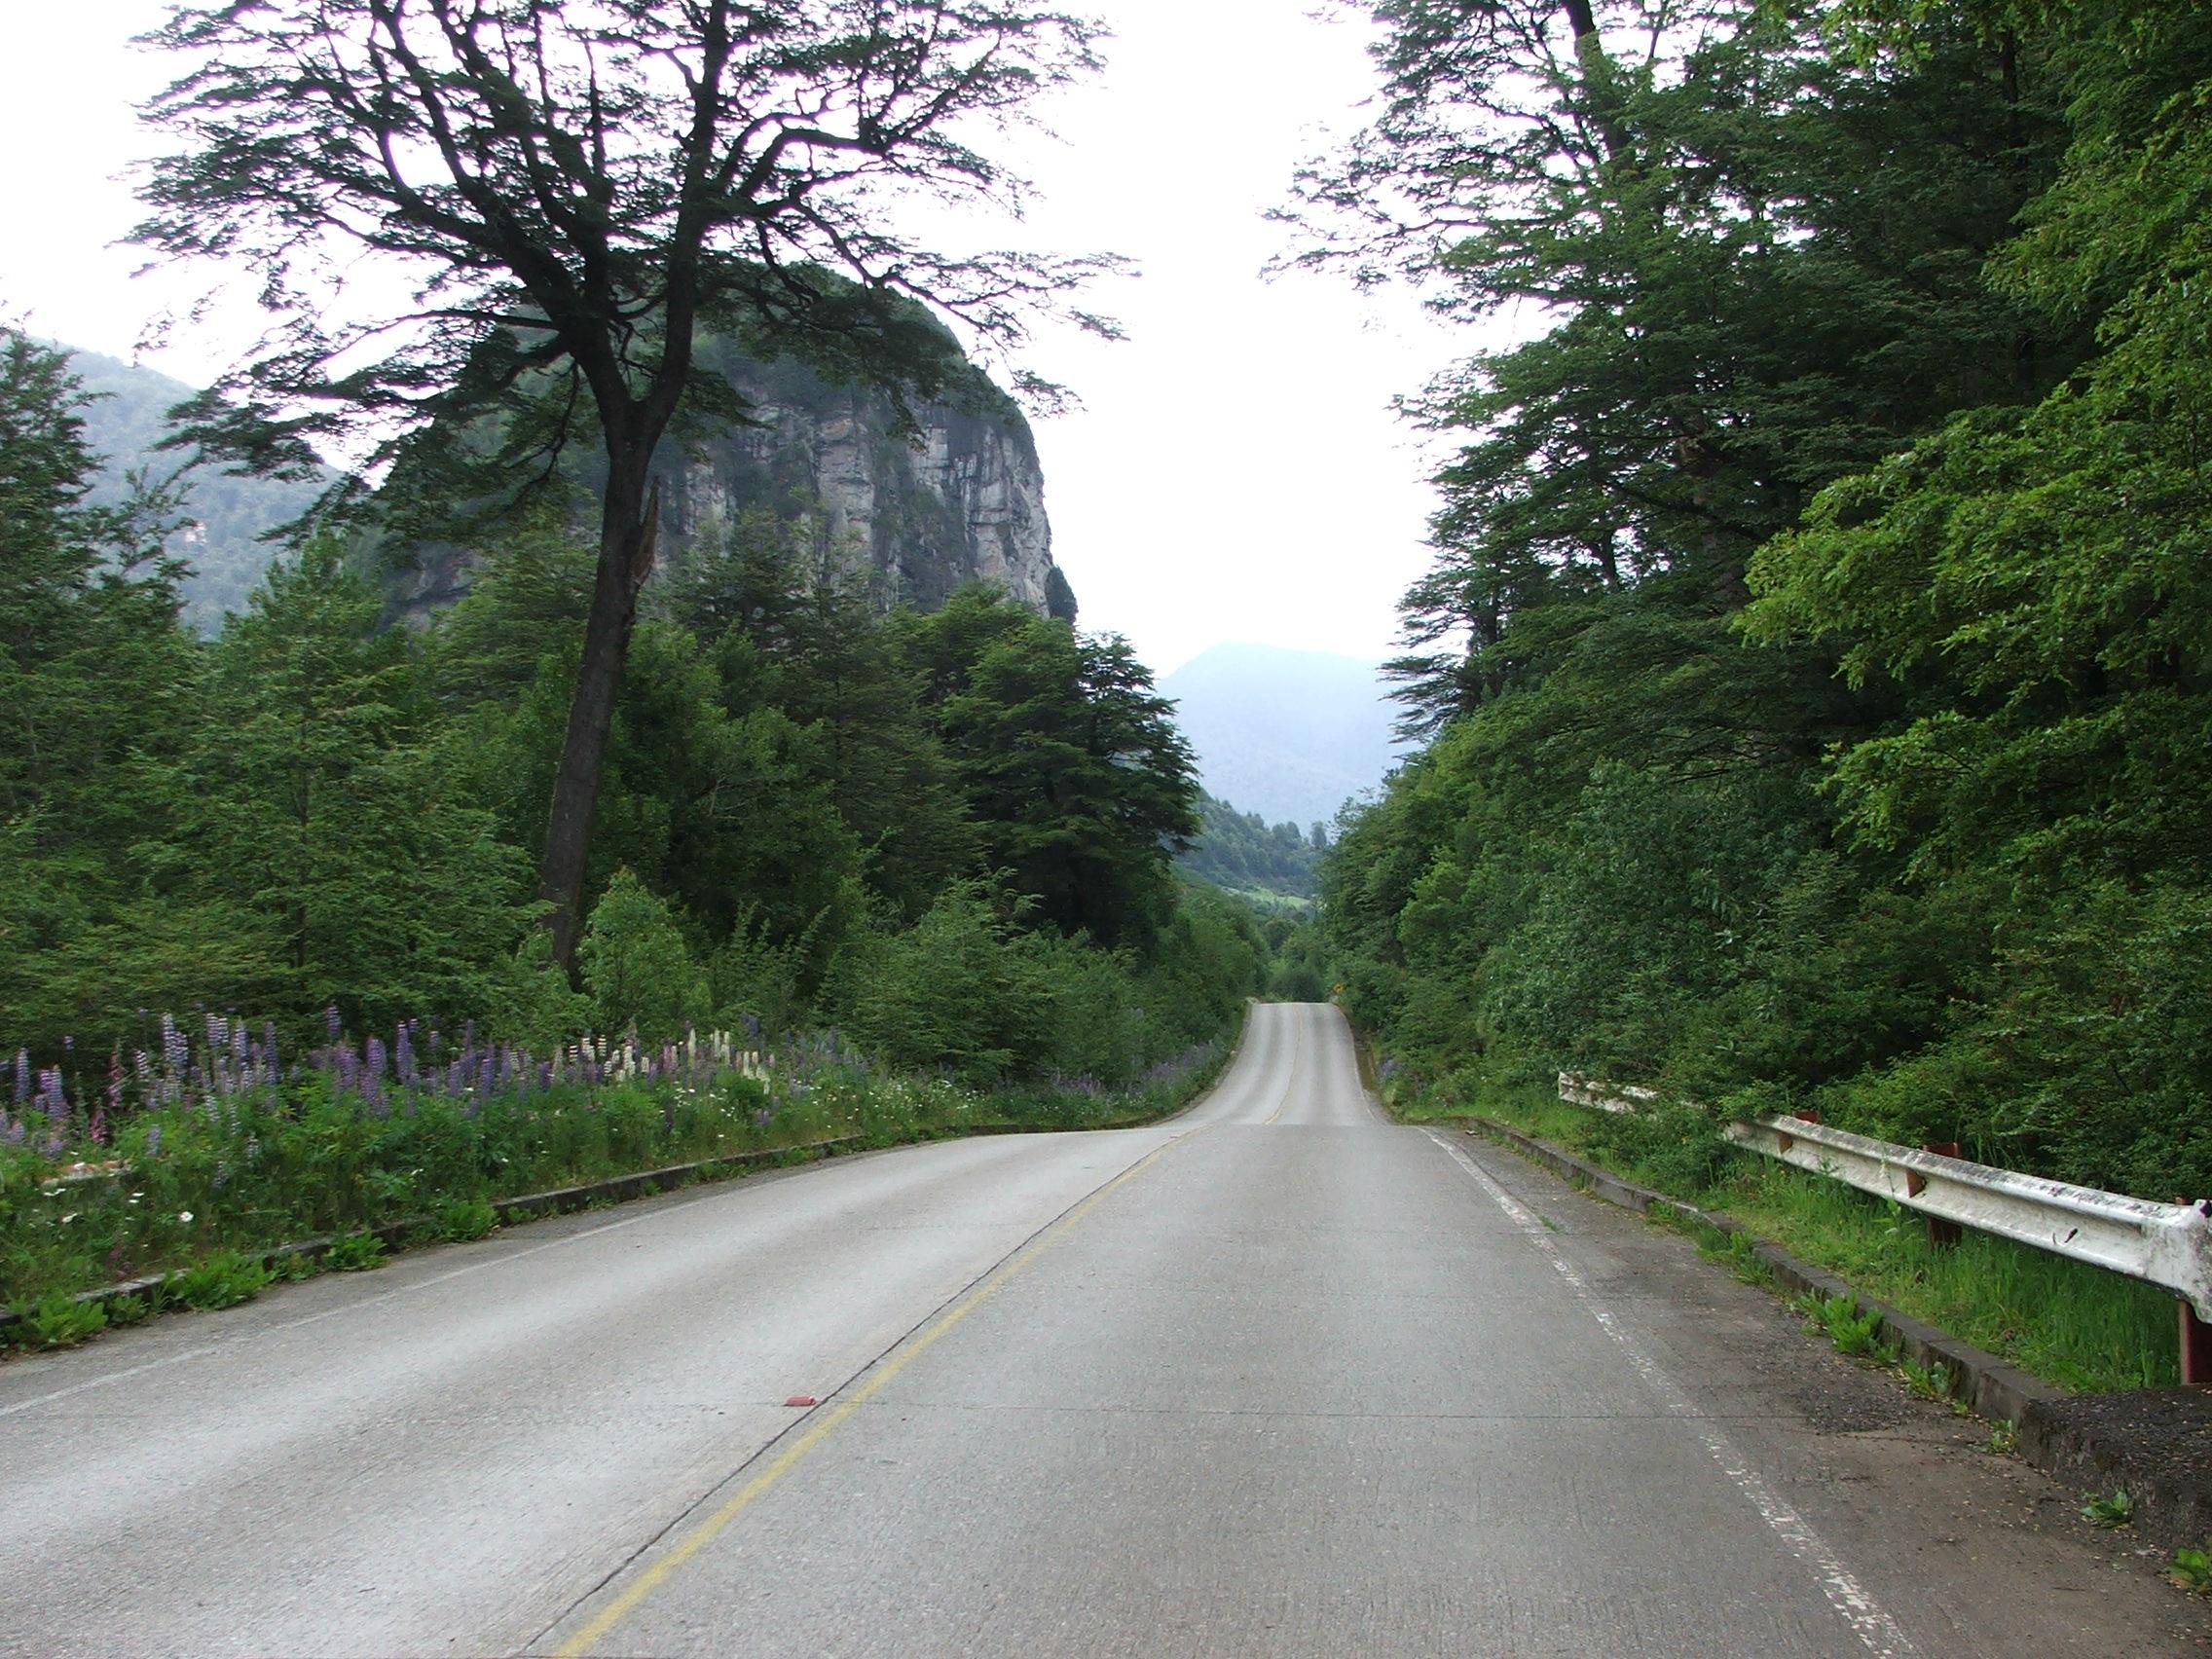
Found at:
[1866, 1617]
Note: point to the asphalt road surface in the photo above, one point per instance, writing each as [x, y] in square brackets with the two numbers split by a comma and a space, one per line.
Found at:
[1275, 1377]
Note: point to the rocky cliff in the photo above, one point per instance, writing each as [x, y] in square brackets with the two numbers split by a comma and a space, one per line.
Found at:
[962, 499]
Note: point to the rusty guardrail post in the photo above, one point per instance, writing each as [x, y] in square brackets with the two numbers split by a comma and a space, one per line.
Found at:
[1942, 1235]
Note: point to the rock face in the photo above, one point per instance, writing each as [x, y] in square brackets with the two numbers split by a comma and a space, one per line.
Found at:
[960, 500]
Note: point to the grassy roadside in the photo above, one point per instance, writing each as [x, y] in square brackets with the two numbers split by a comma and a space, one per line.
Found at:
[2073, 1325]
[212, 1186]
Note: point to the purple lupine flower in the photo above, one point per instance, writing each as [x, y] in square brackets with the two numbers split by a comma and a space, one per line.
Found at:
[484, 1077]
[23, 1075]
[56, 1103]
[154, 1141]
[14, 1132]
[349, 1069]
[330, 1021]
[238, 1042]
[372, 1092]
[373, 1057]
[403, 1054]
[53, 1146]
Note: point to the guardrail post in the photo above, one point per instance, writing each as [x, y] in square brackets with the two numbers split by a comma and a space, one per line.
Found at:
[1942, 1235]
[2195, 1349]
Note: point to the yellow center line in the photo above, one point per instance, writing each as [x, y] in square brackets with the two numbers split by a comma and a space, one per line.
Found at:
[820, 1429]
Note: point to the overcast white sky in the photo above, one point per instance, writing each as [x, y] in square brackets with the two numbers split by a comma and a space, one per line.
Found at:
[1235, 471]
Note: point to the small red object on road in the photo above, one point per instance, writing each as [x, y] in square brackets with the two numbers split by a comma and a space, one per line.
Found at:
[803, 1400]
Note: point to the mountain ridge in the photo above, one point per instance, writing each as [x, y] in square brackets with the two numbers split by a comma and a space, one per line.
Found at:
[1289, 734]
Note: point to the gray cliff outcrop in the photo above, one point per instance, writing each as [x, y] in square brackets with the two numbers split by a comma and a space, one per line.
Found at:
[960, 500]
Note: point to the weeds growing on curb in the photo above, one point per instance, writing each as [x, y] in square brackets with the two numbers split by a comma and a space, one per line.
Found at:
[223, 1280]
[1927, 1382]
[60, 1321]
[1737, 1251]
[1854, 1331]
[354, 1253]
[467, 1218]
[2113, 1511]
[2004, 1436]
[2191, 1569]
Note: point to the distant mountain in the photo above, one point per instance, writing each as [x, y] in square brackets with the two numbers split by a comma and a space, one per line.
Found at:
[127, 418]
[1289, 735]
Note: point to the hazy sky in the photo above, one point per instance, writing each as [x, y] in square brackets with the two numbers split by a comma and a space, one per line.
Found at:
[1235, 471]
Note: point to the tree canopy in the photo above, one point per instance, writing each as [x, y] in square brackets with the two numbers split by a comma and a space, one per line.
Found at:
[1812, 655]
[573, 191]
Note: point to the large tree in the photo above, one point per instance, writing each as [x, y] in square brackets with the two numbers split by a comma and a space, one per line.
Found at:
[573, 191]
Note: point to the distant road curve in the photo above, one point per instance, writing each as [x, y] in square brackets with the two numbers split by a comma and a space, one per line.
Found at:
[1276, 1376]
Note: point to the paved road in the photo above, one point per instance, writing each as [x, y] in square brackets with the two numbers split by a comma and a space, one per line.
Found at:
[1276, 1377]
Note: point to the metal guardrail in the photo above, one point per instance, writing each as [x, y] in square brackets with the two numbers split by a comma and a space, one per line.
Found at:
[1578, 1091]
[2166, 1245]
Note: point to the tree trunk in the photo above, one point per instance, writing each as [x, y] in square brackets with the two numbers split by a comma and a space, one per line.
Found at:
[629, 523]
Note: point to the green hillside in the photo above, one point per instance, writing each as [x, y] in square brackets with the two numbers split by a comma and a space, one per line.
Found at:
[126, 418]
[1241, 852]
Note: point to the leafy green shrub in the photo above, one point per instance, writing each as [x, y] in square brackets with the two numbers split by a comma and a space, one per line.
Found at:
[531, 1004]
[950, 993]
[637, 967]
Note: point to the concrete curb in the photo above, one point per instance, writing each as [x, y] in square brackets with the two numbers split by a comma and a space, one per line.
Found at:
[2076, 1438]
[531, 1207]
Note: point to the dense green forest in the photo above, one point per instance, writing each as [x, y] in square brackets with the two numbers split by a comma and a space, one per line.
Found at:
[1816, 659]
[948, 836]
[1240, 851]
